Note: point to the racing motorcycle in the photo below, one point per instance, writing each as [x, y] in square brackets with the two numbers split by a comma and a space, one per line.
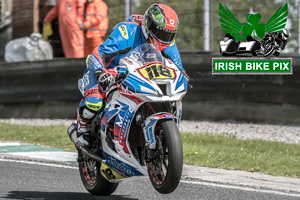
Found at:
[270, 46]
[137, 133]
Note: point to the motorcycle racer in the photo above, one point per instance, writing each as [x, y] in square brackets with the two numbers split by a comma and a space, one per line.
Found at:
[279, 37]
[158, 26]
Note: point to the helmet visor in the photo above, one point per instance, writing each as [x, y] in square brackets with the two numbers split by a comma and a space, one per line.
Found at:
[163, 35]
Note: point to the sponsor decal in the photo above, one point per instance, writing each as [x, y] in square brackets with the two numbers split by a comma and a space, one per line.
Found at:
[92, 92]
[137, 18]
[123, 31]
[165, 30]
[124, 89]
[110, 174]
[94, 106]
[125, 123]
[168, 116]
[125, 92]
[123, 167]
[94, 62]
[122, 124]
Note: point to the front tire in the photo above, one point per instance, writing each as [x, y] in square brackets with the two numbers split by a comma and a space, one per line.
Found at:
[92, 178]
[165, 170]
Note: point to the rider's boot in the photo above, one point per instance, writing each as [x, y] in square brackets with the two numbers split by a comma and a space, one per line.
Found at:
[86, 112]
[79, 133]
[83, 131]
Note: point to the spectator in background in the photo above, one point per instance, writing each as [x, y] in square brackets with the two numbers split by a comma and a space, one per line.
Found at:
[71, 36]
[93, 21]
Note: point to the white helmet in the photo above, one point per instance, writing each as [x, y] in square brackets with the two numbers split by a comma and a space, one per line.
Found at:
[285, 33]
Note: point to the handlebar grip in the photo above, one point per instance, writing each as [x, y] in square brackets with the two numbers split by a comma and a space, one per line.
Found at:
[120, 76]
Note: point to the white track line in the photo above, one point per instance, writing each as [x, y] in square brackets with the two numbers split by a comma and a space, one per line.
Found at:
[183, 181]
[3, 144]
[247, 189]
[39, 163]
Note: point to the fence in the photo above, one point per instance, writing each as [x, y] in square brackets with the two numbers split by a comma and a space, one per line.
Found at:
[191, 17]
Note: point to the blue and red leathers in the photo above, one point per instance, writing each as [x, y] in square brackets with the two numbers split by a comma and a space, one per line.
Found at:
[124, 38]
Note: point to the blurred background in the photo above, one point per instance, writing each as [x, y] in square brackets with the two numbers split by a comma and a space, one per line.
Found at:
[48, 89]
[199, 19]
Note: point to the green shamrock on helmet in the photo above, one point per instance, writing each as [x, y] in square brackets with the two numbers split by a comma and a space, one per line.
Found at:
[231, 25]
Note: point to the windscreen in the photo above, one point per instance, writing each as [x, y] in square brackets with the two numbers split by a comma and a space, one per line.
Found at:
[147, 53]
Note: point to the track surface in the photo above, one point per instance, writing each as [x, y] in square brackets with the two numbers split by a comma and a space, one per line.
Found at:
[42, 181]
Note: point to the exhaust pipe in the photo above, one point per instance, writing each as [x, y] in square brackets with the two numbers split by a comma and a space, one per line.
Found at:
[88, 153]
[72, 132]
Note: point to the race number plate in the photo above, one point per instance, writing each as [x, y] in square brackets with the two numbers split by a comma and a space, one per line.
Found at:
[156, 71]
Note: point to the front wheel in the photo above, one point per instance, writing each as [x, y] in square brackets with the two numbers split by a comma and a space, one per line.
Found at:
[165, 169]
[92, 178]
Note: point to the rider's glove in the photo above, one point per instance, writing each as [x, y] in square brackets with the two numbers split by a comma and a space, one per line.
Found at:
[104, 77]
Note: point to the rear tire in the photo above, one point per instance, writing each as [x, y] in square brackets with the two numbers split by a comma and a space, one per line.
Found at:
[165, 176]
[92, 178]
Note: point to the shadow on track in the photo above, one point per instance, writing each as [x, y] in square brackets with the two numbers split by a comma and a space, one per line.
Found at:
[59, 196]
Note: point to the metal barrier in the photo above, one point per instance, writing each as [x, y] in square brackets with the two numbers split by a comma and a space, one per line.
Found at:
[48, 89]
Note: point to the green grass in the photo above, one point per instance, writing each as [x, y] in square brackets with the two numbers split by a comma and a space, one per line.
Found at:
[226, 152]
[53, 136]
[273, 158]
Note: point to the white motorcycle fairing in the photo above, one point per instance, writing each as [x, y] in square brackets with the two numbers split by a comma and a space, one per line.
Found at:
[159, 81]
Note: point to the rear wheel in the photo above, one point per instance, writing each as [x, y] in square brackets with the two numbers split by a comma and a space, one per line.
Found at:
[165, 169]
[92, 179]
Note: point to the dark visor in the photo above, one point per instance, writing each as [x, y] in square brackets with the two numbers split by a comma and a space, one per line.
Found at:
[161, 34]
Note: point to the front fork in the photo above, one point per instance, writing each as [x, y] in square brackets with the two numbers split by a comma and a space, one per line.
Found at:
[150, 124]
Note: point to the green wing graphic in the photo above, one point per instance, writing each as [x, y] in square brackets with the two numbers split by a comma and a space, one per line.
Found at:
[278, 20]
[229, 23]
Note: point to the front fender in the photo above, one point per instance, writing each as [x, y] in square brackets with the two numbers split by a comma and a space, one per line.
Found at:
[150, 124]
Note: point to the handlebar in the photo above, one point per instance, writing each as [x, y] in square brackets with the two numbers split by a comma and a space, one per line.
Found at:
[119, 79]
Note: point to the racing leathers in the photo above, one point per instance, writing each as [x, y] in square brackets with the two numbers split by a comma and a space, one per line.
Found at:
[124, 38]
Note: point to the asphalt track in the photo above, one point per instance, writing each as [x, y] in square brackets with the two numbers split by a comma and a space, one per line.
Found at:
[44, 181]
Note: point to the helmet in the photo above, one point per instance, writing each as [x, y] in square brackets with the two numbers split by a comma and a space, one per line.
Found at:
[160, 25]
[285, 33]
